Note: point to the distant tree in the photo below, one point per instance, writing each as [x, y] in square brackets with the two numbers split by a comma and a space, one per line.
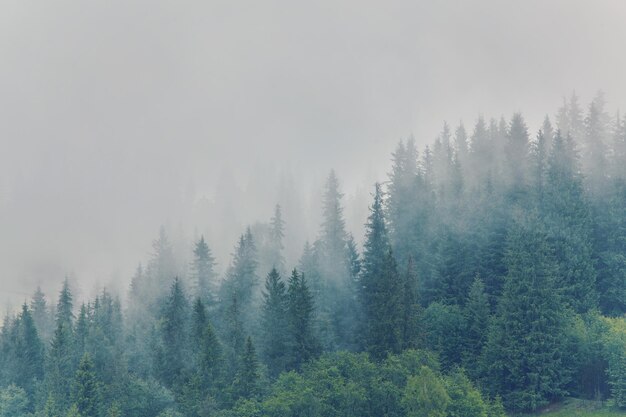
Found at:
[172, 356]
[277, 234]
[202, 272]
[275, 332]
[241, 277]
[29, 353]
[300, 309]
[44, 321]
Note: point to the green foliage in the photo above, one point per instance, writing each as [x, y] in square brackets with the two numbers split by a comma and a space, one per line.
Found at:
[465, 400]
[13, 402]
[425, 395]
[300, 308]
[523, 358]
[87, 392]
[275, 330]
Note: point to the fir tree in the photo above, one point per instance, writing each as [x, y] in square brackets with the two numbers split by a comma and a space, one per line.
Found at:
[87, 390]
[380, 286]
[172, 360]
[274, 324]
[277, 234]
[300, 310]
[524, 351]
[202, 271]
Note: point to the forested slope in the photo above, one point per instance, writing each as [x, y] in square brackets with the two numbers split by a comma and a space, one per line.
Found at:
[492, 276]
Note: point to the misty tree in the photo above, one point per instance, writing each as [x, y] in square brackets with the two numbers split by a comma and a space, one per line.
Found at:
[303, 342]
[277, 232]
[172, 354]
[524, 352]
[275, 332]
[569, 225]
[202, 272]
[381, 287]
[42, 315]
[241, 278]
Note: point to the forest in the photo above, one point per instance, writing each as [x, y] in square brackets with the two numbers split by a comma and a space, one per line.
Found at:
[491, 280]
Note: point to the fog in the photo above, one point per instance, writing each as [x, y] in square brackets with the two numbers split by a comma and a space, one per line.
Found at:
[117, 117]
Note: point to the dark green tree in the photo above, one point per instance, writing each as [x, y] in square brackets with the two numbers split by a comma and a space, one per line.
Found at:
[300, 311]
[523, 357]
[87, 390]
[381, 287]
[275, 332]
[173, 353]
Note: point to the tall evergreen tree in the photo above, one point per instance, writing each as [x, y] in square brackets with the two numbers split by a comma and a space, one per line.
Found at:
[172, 356]
[569, 225]
[524, 353]
[87, 390]
[274, 324]
[202, 272]
[300, 312]
[277, 235]
[44, 320]
[477, 315]
[380, 286]
[247, 380]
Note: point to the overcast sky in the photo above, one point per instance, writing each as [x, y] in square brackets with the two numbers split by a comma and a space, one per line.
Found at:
[114, 113]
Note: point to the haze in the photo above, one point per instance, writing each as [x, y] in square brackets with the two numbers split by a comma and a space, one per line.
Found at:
[118, 117]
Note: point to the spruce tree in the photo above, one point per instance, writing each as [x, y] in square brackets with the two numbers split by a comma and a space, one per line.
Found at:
[523, 356]
[274, 324]
[87, 389]
[477, 315]
[569, 226]
[29, 353]
[381, 287]
[277, 234]
[247, 379]
[173, 355]
[300, 312]
[202, 272]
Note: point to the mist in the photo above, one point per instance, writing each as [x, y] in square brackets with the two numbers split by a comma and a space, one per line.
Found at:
[119, 117]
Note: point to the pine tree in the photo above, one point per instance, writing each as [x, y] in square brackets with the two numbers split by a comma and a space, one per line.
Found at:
[524, 351]
[516, 152]
[477, 312]
[202, 272]
[569, 226]
[28, 355]
[42, 315]
[380, 287]
[596, 130]
[300, 311]
[247, 380]
[174, 354]
[234, 338]
[61, 361]
[241, 278]
[274, 324]
[277, 234]
[87, 390]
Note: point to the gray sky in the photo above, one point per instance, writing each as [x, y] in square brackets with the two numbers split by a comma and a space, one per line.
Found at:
[115, 115]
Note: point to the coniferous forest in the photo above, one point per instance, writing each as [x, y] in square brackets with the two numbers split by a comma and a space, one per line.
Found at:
[491, 280]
